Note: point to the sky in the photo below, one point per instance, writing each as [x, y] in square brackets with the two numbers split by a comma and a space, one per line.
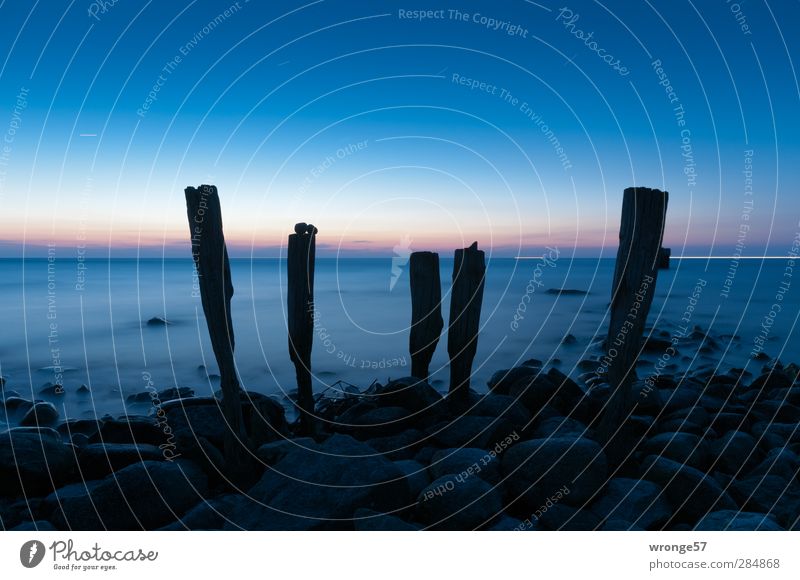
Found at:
[390, 124]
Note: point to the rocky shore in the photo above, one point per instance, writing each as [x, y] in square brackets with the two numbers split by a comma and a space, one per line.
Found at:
[710, 451]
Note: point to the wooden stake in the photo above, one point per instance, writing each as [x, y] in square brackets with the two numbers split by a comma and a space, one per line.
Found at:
[426, 311]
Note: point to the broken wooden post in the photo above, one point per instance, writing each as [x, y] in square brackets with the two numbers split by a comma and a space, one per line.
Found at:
[300, 309]
[214, 277]
[640, 234]
[469, 271]
[426, 311]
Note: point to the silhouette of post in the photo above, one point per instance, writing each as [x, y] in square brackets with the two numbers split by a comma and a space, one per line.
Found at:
[210, 257]
[664, 255]
[469, 271]
[426, 311]
[300, 308]
[640, 234]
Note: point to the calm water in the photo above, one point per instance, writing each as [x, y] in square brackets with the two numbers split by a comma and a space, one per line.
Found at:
[97, 333]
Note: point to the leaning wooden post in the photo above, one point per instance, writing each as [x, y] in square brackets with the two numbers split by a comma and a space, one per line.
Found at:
[300, 309]
[214, 276]
[469, 271]
[426, 311]
[640, 234]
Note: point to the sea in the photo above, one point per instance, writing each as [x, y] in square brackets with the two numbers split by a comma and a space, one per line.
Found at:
[87, 325]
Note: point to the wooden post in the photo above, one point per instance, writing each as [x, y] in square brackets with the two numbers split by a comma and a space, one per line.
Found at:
[426, 311]
[640, 234]
[300, 308]
[664, 255]
[469, 272]
[214, 276]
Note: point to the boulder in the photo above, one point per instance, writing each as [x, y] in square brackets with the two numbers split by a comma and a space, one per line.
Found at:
[366, 520]
[34, 460]
[538, 468]
[416, 475]
[466, 462]
[691, 492]
[145, 495]
[471, 431]
[96, 460]
[681, 447]
[501, 381]
[42, 414]
[322, 488]
[457, 504]
[562, 517]
[493, 405]
[735, 452]
[734, 520]
[272, 453]
[781, 462]
[410, 393]
[638, 502]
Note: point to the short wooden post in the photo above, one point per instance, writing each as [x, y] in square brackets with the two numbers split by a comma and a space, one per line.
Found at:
[426, 311]
[640, 234]
[469, 272]
[210, 257]
[300, 308]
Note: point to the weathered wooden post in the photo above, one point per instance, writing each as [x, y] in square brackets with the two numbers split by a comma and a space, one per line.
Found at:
[300, 309]
[210, 257]
[426, 311]
[640, 234]
[466, 298]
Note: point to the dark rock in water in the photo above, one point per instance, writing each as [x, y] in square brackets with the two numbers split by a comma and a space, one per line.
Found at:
[566, 292]
[466, 462]
[37, 526]
[34, 460]
[725, 422]
[774, 379]
[685, 396]
[734, 520]
[537, 469]
[52, 390]
[470, 431]
[569, 339]
[561, 517]
[211, 514]
[560, 427]
[774, 435]
[97, 460]
[404, 445]
[637, 501]
[493, 405]
[161, 396]
[681, 425]
[771, 494]
[322, 489]
[781, 462]
[130, 429]
[41, 414]
[416, 475]
[17, 405]
[502, 381]
[410, 393]
[380, 422]
[681, 447]
[735, 452]
[691, 492]
[366, 520]
[158, 321]
[86, 427]
[534, 391]
[532, 362]
[79, 440]
[454, 503]
[653, 345]
[144, 495]
[272, 453]
[568, 392]
[83, 390]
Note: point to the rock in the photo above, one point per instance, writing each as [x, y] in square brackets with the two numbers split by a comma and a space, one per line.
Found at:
[562, 517]
[535, 392]
[271, 453]
[781, 462]
[158, 321]
[647, 399]
[160, 396]
[130, 429]
[692, 493]
[465, 462]
[33, 460]
[144, 495]
[507, 524]
[380, 422]
[538, 468]
[734, 520]
[211, 514]
[773, 495]
[469, 431]
[494, 405]
[774, 379]
[409, 393]
[41, 414]
[615, 525]
[501, 381]
[686, 396]
[774, 435]
[37, 526]
[560, 427]
[401, 446]
[451, 503]
[96, 460]
[52, 390]
[638, 502]
[681, 447]
[83, 390]
[566, 292]
[366, 520]
[569, 339]
[735, 452]
[416, 475]
[322, 489]
[17, 405]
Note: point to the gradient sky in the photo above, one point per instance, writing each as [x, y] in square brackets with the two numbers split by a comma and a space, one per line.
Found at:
[346, 114]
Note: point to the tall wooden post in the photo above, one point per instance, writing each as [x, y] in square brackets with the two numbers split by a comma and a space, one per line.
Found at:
[469, 272]
[426, 311]
[641, 231]
[210, 257]
[300, 309]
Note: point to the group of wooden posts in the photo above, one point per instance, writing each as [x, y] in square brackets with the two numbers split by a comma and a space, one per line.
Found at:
[638, 260]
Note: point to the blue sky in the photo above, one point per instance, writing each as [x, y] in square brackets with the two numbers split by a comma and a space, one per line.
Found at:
[364, 119]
